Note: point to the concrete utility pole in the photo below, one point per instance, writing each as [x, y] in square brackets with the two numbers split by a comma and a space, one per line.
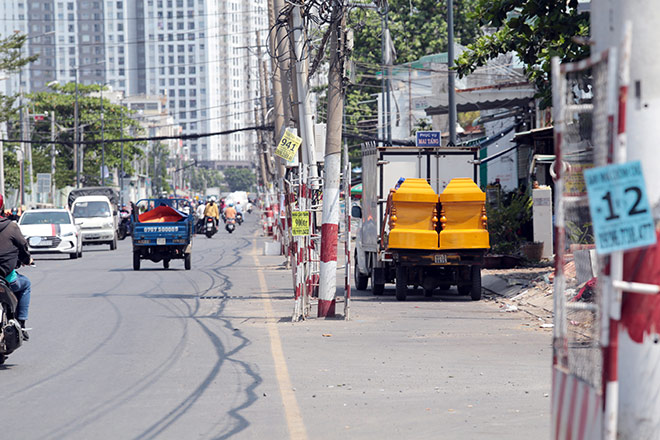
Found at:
[306, 118]
[330, 218]
[451, 80]
[281, 66]
[261, 119]
[53, 187]
[102, 140]
[3, 130]
[387, 61]
[638, 357]
[76, 145]
[121, 172]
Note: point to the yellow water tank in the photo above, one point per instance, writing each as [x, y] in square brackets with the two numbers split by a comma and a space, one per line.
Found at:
[413, 216]
[463, 216]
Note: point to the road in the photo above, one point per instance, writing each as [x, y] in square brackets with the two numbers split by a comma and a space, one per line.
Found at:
[211, 354]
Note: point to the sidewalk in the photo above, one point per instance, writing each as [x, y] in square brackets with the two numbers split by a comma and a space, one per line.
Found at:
[441, 367]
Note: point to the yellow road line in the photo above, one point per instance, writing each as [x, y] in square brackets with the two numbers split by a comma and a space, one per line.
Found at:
[294, 419]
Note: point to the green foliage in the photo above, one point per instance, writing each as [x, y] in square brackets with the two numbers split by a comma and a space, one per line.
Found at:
[158, 168]
[418, 28]
[505, 218]
[535, 30]
[202, 178]
[61, 103]
[239, 179]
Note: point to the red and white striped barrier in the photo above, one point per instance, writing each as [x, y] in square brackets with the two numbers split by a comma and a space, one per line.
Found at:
[577, 408]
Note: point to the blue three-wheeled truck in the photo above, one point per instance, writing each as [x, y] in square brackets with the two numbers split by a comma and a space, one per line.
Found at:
[162, 232]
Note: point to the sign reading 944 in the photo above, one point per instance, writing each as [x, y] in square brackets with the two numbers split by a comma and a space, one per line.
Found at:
[619, 208]
[288, 146]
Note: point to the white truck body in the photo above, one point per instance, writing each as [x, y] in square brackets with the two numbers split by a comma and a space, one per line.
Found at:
[382, 167]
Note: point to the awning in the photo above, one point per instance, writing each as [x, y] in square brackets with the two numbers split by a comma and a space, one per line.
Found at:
[356, 189]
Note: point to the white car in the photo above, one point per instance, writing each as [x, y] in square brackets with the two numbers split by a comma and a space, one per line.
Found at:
[51, 231]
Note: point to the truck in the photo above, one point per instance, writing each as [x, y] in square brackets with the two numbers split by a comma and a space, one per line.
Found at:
[162, 232]
[422, 220]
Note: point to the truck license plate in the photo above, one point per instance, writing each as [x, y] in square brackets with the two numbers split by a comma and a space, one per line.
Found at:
[440, 258]
[161, 241]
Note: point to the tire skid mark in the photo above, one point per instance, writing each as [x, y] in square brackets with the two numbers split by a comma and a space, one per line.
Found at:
[89, 354]
[181, 409]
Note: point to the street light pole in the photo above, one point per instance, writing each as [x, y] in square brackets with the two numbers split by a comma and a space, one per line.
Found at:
[451, 86]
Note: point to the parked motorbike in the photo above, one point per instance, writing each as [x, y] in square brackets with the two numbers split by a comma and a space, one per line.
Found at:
[209, 227]
[11, 334]
[230, 225]
[239, 218]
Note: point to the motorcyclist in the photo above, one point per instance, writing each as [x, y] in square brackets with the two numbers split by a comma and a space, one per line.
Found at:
[211, 210]
[13, 252]
[200, 215]
[230, 211]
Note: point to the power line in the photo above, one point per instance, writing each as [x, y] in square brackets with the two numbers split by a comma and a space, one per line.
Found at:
[144, 139]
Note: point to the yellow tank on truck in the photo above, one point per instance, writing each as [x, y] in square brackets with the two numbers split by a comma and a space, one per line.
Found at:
[413, 216]
[463, 216]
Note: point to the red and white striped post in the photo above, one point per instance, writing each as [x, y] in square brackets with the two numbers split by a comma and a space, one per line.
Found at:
[634, 278]
[330, 218]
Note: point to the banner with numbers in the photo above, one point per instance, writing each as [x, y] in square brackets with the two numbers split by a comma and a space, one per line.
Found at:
[288, 146]
[619, 208]
[300, 223]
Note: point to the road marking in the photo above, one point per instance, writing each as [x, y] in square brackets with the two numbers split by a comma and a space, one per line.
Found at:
[294, 419]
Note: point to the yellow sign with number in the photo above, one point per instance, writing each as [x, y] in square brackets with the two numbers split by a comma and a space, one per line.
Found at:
[288, 146]
[300, 223]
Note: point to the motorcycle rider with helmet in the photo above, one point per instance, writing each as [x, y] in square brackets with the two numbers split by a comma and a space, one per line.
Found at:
[211, 210]
[13, 253]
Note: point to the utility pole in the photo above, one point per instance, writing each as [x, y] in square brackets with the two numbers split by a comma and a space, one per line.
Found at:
[635, 331]
[76, 143]
[102, 140]
[330, 218]
[306, 119]
[53, 187]
[121, 174]
[3, 130]
[283, 55]
[451, 84]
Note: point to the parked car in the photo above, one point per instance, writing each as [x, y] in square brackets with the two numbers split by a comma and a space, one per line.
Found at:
[51, 231]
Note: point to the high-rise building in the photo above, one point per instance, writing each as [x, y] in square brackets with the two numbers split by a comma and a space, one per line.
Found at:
[200, 54]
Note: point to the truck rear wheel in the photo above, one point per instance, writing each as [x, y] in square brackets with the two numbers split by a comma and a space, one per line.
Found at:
[361, 281]
[401, 283]
[475, 291]
[187, 261]
[136, 261]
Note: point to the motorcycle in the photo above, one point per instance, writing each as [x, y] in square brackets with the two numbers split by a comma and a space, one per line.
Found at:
[209, 227]
[125, 227]
[11, 334]
[239, 218]
[230, 225]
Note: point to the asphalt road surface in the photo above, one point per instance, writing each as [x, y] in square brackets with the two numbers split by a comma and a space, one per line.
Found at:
[211, 353]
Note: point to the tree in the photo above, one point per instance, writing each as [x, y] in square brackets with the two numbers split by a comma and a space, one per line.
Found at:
[535, 30]
[61, 102]
[239, 179]
[11, 60]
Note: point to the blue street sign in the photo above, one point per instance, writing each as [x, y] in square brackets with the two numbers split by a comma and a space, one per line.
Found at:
[428, 139]
[619, 208]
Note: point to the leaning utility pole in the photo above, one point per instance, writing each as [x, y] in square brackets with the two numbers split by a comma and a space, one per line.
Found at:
[281, 89]
[330, 218]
